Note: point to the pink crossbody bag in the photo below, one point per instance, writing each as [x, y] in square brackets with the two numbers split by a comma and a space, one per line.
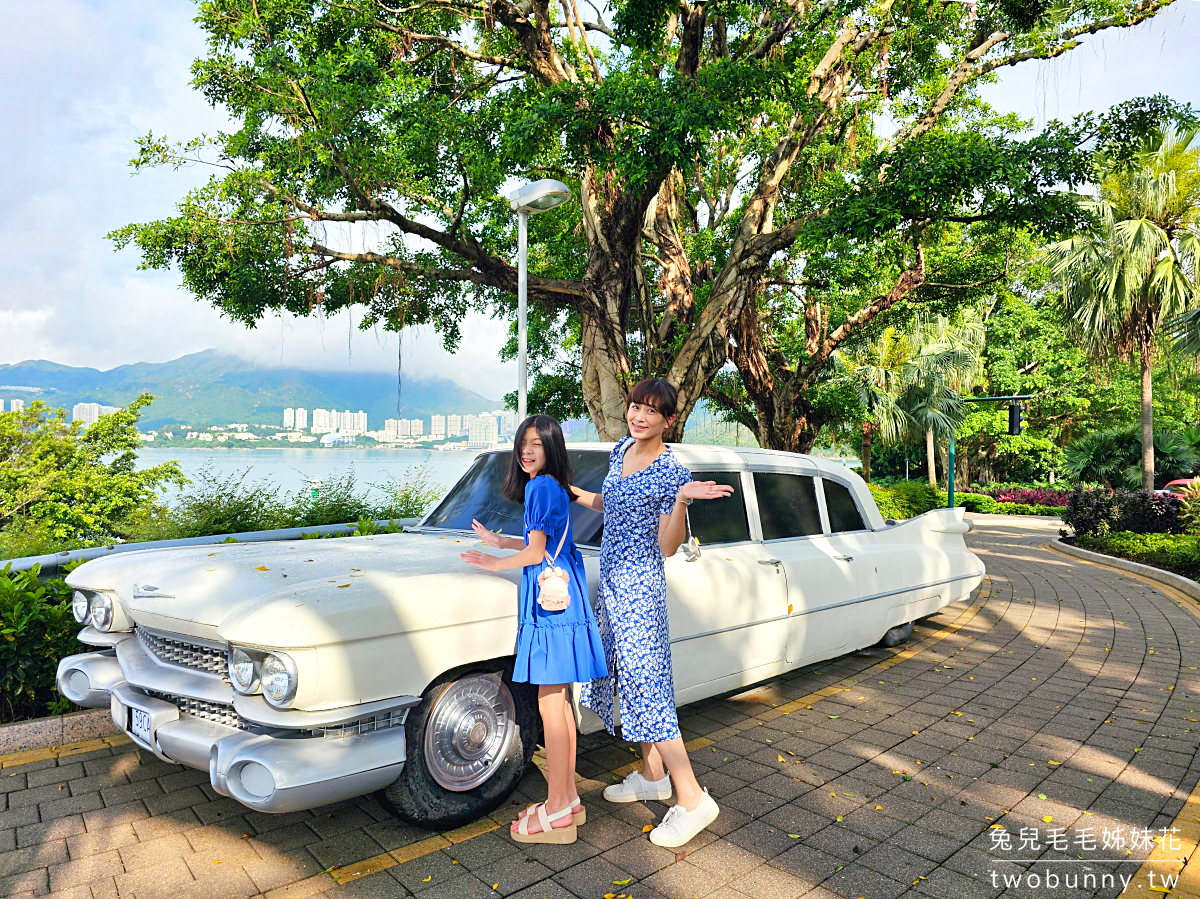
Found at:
[553, 582]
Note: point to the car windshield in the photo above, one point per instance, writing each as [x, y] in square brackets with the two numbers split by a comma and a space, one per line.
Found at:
[477, 495]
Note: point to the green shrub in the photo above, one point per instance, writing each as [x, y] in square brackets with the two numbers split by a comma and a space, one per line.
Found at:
[409, 497]
[215, 505]
[1179, 553]
[337, 502]
[1029, 509]
[906, 499]
[1098, 511]
[972, 502]
[38, 629]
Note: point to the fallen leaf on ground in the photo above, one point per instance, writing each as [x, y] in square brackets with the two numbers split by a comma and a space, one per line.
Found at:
[262, 568]
[621, 883]
[648, 828]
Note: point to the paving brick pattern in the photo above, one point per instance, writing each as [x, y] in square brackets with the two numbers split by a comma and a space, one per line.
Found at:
[880, 774]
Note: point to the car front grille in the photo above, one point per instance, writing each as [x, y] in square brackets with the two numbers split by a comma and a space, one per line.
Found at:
[183, 653]
[218, 712]
[363, 725]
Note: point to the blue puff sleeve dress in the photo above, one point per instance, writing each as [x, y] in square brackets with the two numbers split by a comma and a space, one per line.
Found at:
[632, 607]
[555, 647]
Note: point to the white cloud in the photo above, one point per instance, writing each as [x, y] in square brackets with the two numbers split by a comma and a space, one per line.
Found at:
[80, 79]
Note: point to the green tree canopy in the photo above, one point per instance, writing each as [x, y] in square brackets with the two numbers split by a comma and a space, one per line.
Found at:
[717, 149]
[61, 484]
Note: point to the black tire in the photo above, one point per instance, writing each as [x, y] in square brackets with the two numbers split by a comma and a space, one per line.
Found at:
[418, 798]
[897, 635]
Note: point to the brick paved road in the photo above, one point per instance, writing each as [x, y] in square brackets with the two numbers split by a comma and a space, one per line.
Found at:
[878, 775]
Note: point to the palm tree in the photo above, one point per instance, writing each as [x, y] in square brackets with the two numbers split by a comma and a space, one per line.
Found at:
[909, 381]
[878, 375]
[948, 365]
[1138, 267]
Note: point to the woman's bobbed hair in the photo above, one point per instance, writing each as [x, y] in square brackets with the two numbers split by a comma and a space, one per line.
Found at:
[655, 393]
[558, 464]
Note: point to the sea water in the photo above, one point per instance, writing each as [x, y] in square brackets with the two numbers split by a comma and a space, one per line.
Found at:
[293, 469]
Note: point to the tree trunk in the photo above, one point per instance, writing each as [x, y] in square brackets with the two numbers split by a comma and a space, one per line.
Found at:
[612, 223]
[931, 456]
[867, 435]
[1147, 419]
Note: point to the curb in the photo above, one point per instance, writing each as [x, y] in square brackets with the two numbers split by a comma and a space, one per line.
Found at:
[40, 733]
[1169, 578]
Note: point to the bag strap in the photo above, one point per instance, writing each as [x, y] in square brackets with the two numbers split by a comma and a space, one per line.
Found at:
[561, 541]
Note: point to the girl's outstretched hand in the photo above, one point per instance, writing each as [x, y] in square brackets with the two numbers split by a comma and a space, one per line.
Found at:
[480, 560]
[490, 538]
[705, 490]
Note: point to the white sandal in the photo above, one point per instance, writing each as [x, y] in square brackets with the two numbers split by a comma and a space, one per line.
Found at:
[549, 833]
[578, 813]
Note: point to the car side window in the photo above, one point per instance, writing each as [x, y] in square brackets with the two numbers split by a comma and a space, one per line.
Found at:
[787, 505]
[843, 513]
[720, 520]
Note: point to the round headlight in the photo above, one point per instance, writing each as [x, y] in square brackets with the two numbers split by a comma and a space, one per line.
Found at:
[241, 670]
[102, 611]
[79, 606]
[278, 678]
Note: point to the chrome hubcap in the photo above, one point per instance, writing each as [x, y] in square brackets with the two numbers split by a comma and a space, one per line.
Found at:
[469, 731]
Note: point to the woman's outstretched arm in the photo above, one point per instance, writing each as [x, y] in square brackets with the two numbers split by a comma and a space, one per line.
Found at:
[672, 528]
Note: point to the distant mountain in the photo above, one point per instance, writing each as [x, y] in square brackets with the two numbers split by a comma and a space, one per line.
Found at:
[211, 387]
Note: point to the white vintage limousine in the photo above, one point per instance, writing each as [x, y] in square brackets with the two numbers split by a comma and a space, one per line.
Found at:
[301, 673]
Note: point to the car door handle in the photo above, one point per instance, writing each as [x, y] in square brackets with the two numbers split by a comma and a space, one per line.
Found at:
[844, 558]
[770, 562]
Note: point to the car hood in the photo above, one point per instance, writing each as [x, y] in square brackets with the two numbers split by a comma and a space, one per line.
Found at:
[328, 591]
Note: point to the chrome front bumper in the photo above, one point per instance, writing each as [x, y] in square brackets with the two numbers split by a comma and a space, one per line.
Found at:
[268, 768]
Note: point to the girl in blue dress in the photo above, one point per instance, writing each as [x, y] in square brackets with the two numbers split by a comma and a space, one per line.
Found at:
[644, 500]
[554, 648]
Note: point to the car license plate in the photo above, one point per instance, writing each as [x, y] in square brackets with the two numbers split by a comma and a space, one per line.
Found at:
[139, 723]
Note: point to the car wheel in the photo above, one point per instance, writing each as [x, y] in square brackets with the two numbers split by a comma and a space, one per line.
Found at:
[468, 744]
[897, 635]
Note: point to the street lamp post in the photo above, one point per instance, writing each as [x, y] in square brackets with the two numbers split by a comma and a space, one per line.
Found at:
[527, 200]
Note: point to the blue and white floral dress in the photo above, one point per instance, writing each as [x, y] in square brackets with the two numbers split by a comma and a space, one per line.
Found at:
[632, 605]
[560, 647]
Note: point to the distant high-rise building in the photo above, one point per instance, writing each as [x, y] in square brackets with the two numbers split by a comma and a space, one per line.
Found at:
[16, 405]
[468, 420]
[391, 428]
[454, 425]
[437, 425]
[88, 413]
[483, 432]
[322, 422]
[289, 419]
[416, 427]
[350, 422]
[506, 422]
[301, 418]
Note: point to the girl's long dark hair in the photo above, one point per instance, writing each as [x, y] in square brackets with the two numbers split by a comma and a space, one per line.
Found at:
[558, 465]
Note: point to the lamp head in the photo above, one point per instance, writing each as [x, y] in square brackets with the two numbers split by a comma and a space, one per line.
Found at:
[538, 196]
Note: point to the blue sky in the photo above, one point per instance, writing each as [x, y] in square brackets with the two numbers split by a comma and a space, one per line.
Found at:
[80, 79]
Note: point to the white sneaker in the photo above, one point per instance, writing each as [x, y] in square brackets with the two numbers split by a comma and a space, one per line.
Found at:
[636, 788]
[680, 826]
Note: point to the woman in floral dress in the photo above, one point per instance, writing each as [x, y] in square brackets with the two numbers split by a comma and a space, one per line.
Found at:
[644, 500]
